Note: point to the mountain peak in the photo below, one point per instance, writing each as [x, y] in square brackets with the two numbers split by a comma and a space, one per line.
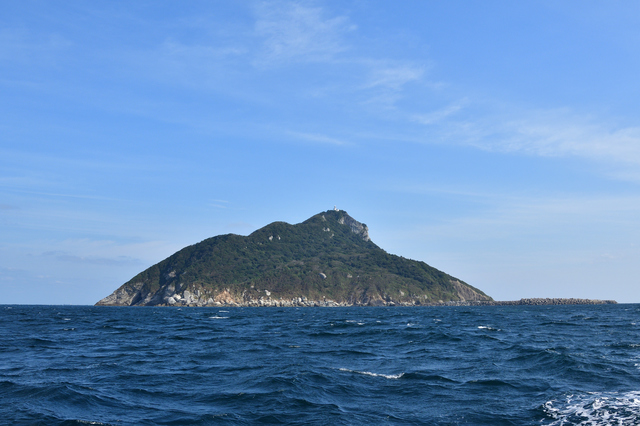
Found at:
[355, 226]
[343, 218]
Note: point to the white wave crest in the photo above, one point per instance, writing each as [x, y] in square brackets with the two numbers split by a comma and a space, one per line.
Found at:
[368, 373]
[219, 317]
[486, 327]
[596, 408]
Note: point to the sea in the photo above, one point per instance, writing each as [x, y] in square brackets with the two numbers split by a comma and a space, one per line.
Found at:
[483, 365]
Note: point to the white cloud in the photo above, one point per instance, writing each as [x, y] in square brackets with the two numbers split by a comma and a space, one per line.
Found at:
[385, 85]
[441, 114]
[317, 138]
[295, 31]
[548, 247]
[561, 219]
[196, 66]
[106, 252]
[558, 135]
[92, 260]
[219, 204]
[199, 52]
[19, 45]
[394, 77]
[549, 133]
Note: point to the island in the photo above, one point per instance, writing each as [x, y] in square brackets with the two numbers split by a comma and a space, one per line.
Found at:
[327, 260]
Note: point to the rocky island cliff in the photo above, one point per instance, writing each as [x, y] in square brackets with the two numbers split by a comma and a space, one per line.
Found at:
[327, 260]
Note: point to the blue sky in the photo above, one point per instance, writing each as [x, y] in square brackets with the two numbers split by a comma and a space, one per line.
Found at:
[498, 141]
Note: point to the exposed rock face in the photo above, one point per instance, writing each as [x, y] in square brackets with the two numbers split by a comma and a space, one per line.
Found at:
[328, 260]
[124, 296]
[356, 227]
[464, 291]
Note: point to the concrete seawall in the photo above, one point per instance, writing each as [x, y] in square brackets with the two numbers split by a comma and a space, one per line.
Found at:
[530, 302]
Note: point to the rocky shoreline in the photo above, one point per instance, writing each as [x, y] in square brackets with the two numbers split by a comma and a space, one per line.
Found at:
[304, 302]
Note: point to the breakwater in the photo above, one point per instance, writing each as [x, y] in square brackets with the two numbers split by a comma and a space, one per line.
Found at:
[529, 302]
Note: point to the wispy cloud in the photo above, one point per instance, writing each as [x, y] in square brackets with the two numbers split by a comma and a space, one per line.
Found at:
[394, 77]
[219, 204]
[543, 133]
[19, 44]
[387, 82]
[493, 214]
[440, 114]
[92, 260]
[206, 64]
[294, 31]
[240, 226]
[548, 136]
[106, 252]
[538, 227]
[203, 54]
[317, 138]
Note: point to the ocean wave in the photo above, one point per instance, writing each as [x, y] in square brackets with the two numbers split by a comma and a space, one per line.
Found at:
[486, 327]
[595, 408]
[368, 373]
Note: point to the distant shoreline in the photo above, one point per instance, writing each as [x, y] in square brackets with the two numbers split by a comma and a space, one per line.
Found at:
[306, 303]
[521, 302]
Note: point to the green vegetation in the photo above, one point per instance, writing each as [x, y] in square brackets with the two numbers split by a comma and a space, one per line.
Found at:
[327, 256]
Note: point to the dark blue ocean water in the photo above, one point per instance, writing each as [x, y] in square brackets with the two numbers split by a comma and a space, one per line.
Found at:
[501, 365]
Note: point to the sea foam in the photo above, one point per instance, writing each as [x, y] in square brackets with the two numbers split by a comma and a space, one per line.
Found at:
[596, 408]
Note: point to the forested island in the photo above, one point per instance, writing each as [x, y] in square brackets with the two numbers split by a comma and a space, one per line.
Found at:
[327, 260]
